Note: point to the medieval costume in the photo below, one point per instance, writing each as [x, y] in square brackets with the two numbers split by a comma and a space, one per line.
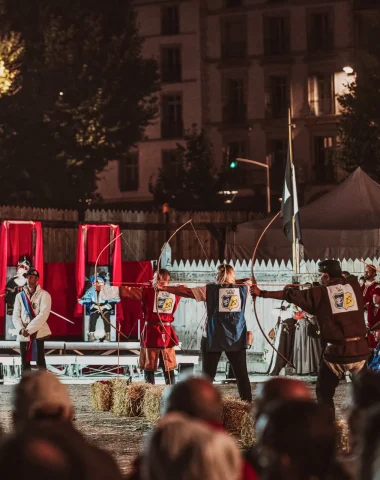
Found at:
[30, 314]
[16, 284]
[307, 345]
[282, 336]
[97, 306]
[158, 337]
[373, 316]
[338, 307]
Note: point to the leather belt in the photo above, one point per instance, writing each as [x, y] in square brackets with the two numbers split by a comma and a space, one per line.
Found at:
[347, 340]
[165, 324]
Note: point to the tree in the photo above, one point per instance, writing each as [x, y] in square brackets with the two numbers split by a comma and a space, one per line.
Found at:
[84, 97]
[190, 184]
[359, 124]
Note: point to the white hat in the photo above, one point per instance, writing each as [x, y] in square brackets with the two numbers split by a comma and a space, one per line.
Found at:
[38, 390]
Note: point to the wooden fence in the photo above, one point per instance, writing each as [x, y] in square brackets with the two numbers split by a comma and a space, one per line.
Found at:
[144, 233]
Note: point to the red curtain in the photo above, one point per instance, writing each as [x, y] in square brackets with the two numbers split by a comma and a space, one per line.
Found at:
[60, 283]
[91, 241]
[134, 272]
[98, 236]
[80, 269]
[16, 240]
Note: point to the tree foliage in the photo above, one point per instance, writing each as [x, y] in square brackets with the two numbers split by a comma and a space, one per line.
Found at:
[192, 185]
[81, 96]
[359, 124]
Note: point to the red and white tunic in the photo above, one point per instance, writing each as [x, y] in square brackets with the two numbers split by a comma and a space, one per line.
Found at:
[156, 334]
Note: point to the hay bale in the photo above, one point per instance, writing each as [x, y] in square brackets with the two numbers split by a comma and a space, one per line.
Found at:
[247, 433]
[234, 411]
[343, 439]
[135, 398]
[119, 396]
[152, 402]
[101, 396]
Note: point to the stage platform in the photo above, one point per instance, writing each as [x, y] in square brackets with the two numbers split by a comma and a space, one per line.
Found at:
[77, 359]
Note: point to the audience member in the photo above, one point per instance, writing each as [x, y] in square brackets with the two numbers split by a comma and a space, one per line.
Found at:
[297, 442]
[369, 462]
[365, 394]
[40, 396]
[59, 453]
[184, 448]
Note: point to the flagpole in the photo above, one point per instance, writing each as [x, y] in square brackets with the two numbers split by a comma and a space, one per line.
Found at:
[295, 245]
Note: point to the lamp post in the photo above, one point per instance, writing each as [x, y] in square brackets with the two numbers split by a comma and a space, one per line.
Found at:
[264, 165]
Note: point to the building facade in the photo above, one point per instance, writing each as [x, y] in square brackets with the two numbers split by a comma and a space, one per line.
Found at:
[235, 67]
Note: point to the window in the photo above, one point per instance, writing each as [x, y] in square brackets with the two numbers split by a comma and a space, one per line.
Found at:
[235, 108]
[171, 66]
[234, 38]
[278, 97]
[171, 119]
[129, 172]
[170, 20]
[321, 94]
[278, 152]
[320, 32]
[172, 161]
[324, 148]
[276, 35]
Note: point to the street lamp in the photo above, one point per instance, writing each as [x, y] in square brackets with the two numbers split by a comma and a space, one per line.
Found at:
[264, 165]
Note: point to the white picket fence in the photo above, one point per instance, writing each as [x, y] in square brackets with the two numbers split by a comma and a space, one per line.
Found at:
[273, 275]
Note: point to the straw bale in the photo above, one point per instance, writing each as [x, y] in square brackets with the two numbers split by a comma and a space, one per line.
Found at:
[101, 396]
[233, 414]
[247, 433]
[135, 398]
[152, 402]
[343, 440]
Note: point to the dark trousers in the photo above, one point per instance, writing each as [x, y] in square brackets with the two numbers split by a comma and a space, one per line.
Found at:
[41, 363]
[94, 318]
[169, 376]
[238, 361]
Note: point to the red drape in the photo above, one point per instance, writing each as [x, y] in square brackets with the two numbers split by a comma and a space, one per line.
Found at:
[3, 270]
[98, 236]
[91, 240]
[39, 253]
[134, 272]
[16, 240]
[60, 283]
[20, 242]
[116, 268]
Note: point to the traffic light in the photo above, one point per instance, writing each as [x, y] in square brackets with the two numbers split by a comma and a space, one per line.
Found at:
[233, 164]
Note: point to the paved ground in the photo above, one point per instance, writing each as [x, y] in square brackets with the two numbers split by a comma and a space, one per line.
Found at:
[122, 436]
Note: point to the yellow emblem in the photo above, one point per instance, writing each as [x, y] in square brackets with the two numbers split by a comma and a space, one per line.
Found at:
[168, 304]
[348, 301]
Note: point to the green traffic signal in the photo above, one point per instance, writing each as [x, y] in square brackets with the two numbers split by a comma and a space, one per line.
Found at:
[233, 164]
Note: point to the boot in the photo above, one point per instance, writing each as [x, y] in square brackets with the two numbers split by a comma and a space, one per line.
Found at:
[91, 337]
[107, 338]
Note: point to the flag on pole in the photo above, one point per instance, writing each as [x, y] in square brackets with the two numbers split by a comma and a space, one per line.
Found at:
[289, 205]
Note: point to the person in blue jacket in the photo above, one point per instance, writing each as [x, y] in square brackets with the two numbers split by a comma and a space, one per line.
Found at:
[97, 306]
[225, 329]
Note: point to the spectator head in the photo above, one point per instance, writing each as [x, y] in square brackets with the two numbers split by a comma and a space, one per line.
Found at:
[365, 394]
[369, 462]
[370, 272]
[376, 296]
[280, 389]
[345, 274]
[59, 453]
[197, 397]
[40, 396]
[361, 281]
[185, 449]
[297, 441]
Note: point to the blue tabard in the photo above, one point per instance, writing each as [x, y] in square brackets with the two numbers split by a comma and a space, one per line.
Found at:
[226, 327]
